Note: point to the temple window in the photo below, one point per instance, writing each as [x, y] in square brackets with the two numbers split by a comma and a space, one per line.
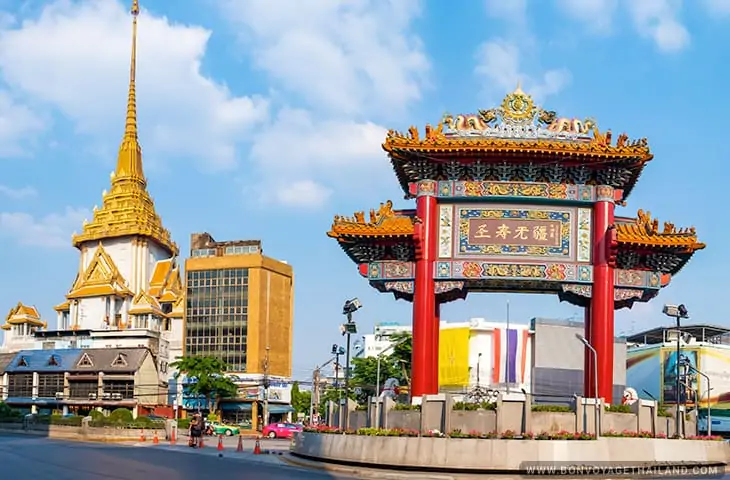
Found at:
[64, 321]
[108, 307]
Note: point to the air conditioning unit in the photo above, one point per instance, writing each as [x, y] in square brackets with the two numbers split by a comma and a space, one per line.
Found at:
[59, 395]
[92, 396]
[116, 396]
[107, 396]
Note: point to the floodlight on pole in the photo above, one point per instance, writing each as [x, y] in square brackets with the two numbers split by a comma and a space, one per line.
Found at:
[678, 312]
[597, 401]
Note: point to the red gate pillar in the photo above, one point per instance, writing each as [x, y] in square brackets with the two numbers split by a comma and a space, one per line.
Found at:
[601, 327]
[424, 362]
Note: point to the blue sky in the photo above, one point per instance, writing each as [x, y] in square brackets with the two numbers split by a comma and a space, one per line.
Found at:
[263, 119]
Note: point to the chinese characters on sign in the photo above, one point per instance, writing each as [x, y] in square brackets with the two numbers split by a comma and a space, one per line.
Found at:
[504, 231]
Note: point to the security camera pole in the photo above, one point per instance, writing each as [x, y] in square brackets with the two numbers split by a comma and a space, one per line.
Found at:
[678, 312]
[348, 329]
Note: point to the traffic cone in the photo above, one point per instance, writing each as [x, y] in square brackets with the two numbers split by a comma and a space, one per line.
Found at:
[220, 442]
[155, 440]
[239, 448]
[141, 436]
[202, 441]
[173, 440]
[257, 447]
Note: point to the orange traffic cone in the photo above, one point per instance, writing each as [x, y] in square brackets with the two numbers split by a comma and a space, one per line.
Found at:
[257, 448]
[239, 448]
[155, 440]
[220, 442]
[141, 436]
[173, 440]
[202, 441]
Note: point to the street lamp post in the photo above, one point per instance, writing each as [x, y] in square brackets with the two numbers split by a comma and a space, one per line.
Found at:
[348, 329]
[691, 368]
[678, 312]
[596, 400]
[479, 368]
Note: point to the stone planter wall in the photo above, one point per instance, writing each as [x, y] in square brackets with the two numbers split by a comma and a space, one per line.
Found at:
[483, 455]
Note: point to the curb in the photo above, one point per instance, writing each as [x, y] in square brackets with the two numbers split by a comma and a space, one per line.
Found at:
[360, 472]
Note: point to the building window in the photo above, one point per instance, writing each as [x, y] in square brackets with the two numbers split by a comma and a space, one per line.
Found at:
[119, 389]
[242, 250]
[49, 384]
[217, 315]
[203, 252]
[85, 390]
[20, 385]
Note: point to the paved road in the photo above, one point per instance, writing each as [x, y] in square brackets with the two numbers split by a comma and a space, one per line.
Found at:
[230, 443]
[36, 458]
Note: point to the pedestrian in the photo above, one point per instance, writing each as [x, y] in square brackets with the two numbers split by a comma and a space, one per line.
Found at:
[196, 431]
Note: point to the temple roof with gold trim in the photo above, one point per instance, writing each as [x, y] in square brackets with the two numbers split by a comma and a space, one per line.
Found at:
[23, 315]
[643, 231]
[385, 222]
[100, 278]
[127, 209]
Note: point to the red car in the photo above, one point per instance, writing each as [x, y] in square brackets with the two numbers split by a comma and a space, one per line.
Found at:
[281, 430]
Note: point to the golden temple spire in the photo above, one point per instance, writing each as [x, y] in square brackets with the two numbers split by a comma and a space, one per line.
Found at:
[517, 91]
[129, 161]
[127, 209]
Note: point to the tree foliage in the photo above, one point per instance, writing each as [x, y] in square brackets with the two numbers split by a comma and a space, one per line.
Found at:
[300, 400]
[396, 364]
[206, 377]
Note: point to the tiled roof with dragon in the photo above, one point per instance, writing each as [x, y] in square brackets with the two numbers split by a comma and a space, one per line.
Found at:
[517, 131]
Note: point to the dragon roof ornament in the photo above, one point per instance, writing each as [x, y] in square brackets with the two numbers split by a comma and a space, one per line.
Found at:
[518, 117]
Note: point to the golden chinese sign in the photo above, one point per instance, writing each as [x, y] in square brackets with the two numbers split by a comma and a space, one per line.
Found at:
[514, 232]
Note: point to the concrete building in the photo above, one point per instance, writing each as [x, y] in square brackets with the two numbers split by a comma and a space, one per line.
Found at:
[240, 309]
[651, 369]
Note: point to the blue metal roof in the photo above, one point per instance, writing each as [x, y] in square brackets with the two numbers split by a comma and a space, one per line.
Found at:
[44, 361]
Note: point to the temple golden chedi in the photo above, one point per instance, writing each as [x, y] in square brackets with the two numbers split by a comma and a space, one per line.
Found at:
[127, 291]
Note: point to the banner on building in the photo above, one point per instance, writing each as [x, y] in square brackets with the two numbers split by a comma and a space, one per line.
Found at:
[454, 357]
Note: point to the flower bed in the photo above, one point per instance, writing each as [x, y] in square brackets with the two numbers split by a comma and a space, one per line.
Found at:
[506, 435]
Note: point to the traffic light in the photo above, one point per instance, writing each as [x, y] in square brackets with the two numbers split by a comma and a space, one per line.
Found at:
[335, 349]
[611, 246]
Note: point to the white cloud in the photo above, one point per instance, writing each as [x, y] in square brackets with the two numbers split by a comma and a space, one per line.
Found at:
[718, 7]
[659, 21]
[302, 194]
[297, 145]
[343, 56]
[51, 231]
[511, 11]
[17, 193]
[77, 61]
[17, 126]
[498, 64]
[597, 15]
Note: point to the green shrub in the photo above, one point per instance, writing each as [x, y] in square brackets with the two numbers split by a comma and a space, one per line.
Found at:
[406, 406]
[552, 408]
[121, 415]
[96, 415]
[618, 408]
[183, 423]
[73, 421]
[9, 414]
[662, 412]
[469, 406]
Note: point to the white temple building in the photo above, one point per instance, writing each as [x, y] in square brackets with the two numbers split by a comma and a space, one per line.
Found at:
[127, 291]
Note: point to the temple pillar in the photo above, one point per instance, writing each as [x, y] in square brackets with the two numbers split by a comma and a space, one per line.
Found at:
[424, 361]
[601, 327]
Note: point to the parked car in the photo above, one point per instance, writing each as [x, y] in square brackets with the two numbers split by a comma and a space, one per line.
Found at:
[281, 430]
[225, 429]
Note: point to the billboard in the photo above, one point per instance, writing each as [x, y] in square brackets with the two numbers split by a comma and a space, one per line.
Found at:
[687, 382]
[644, 372]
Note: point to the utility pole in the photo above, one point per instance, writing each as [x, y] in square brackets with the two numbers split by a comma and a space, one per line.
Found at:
[266, 387]
[314, 408]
